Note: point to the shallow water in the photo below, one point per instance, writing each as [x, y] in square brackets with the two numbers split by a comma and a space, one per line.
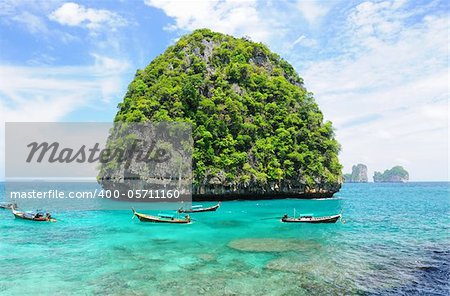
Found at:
[395, 240]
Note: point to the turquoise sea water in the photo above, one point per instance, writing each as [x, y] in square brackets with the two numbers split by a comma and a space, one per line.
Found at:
[395, 240]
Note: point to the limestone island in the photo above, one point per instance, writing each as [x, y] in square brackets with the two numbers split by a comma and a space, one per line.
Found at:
[395, 175]
[257, 132]
[358, 175]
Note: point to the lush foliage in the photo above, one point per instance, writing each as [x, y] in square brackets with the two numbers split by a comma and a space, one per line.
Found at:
[253, 121]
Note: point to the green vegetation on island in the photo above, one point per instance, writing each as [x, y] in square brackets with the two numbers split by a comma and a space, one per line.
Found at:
[358, 175]
[395, 175]
[256, 129]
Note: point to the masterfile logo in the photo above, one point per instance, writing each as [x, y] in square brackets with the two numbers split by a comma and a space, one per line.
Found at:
[145, 162]
[80, 150]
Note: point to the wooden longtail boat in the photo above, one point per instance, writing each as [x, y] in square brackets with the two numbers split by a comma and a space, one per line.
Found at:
[199, 209]
[33, 216]
[7, 205]
[161, 218]
[311, 219]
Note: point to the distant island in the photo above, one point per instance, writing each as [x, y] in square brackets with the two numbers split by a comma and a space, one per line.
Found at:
[395, 175]
[358, 175]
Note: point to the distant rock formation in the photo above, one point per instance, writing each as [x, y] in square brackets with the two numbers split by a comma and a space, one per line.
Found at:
[395, 175]
[358, 175]
[347, 178]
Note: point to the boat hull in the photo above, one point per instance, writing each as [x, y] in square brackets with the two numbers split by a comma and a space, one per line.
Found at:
[155, 219]
[209, 209]
[7, 206]
[315, 220]
[23, 216]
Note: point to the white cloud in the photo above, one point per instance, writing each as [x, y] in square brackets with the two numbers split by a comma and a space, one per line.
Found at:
[75, 15]
[312, 10]
[62, 89]
[34, 94]
[32, 16]
[32, 22]
[38, 94]
[393, 74]
[304, 41]
[229, 16]
[372, 21]
[107, 71]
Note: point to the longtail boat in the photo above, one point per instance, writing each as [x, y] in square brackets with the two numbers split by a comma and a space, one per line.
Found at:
[199, 209]
[161, 218]
[7, 205]
[33, 216]
[311, 219]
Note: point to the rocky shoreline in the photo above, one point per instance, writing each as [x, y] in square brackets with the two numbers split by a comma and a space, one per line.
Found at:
[273, 195]
[222, 193]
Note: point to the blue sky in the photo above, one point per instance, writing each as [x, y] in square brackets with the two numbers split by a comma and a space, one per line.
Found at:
[378, 69]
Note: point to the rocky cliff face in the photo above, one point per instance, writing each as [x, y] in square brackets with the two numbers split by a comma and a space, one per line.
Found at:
[395, 175]
[358, 175]
[257, 132]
